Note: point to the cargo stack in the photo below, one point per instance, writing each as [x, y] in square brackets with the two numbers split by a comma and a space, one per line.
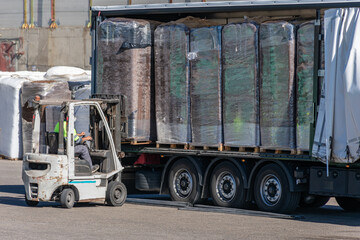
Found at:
[205, 86]
[304, 79]
[277, 101]
[46, 89]
[172, 98]
[10, 117]
[241, 85]
[124, 67]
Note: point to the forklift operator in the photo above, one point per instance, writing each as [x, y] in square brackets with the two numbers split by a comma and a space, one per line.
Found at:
[80, 148]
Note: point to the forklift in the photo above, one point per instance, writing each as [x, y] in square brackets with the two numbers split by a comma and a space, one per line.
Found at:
[53, 172]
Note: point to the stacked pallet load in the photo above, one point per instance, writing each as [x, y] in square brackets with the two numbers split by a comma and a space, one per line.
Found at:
[304, 80]
[241, 85]
[172, 83]
[205, 86]
[172, 80]
[46, 89]
[124, 67]
[79, 82]
[277, 100]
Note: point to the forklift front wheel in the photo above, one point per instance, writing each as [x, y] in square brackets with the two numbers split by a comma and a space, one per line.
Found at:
[116, 194]
[67, 198]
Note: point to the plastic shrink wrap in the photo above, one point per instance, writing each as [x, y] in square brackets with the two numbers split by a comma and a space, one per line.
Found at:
[47, 89]
[241, 86]
[79, 82]
[304, 80]
[10, 117]
[277, 57]
[205, 86]
[172, 83]
[124, 67]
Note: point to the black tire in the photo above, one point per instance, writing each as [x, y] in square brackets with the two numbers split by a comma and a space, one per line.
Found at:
[183, 182]
[227, 187]
[349, 204]
[313, 201]
[116, 194]
[272, 192]
[31, 203]
[67, 198]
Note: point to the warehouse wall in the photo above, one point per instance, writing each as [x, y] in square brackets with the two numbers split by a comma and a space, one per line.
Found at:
[69, 44]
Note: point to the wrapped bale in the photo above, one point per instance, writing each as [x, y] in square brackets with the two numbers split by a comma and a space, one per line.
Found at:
[10, 117]
[305, 79]
[241, 85]
[277, 49]
[172, 83]
[124, 67]
[46, 90]
[205, 86]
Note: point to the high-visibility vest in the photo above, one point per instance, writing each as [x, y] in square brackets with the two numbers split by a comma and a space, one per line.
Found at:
[57, 129]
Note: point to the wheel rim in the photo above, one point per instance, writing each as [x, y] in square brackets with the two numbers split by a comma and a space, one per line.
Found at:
[182, 183]
[225, 187]
[117, 195]
[69, 197]
[270, 190]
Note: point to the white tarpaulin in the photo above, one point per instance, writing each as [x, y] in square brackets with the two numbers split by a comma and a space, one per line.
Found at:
[10, 117]
[337, 135]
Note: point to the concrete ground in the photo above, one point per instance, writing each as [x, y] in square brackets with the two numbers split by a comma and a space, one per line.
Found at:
[96, 221]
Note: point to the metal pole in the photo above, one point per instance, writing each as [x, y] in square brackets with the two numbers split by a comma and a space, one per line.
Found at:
[32, 25]
[129, 2]
[90, 14]
[53, 24]
[25, 24]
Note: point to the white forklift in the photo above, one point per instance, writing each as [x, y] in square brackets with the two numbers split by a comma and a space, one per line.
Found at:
[52, 171]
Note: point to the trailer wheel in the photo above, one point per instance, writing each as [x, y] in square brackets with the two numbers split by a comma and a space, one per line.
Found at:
[348, 203]
[183, 182]
[272, 192]
[116, 193]
[313, 201]
[67, 198]
[31, 203]
[227, 187]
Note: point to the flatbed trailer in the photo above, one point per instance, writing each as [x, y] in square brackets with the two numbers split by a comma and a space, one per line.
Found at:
[277, 181]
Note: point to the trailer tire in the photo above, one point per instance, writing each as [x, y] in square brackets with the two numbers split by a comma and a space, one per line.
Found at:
[31, 203]
[227, 187]
[183, 182]
[316, 201]
[67, 198]
[349, 204]
[116, 194]
[272, 192]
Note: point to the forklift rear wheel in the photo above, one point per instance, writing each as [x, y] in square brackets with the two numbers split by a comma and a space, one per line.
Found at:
[31, 203]
[67, 198]
[116, 194]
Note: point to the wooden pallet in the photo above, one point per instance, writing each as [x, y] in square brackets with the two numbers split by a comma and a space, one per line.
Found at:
[137, 142]
[204, 147]
[242, 149]
[173, 145]
[278, 151]
[302, 152]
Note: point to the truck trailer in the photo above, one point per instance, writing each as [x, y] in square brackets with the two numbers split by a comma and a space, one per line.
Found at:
[276, 179]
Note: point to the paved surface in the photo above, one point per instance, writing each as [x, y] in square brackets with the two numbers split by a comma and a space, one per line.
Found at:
[95, 221]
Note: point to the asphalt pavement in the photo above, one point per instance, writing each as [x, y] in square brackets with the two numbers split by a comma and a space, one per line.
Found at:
[139, 219]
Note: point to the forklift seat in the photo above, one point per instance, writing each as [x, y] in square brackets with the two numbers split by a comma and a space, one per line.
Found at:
[52, 142]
